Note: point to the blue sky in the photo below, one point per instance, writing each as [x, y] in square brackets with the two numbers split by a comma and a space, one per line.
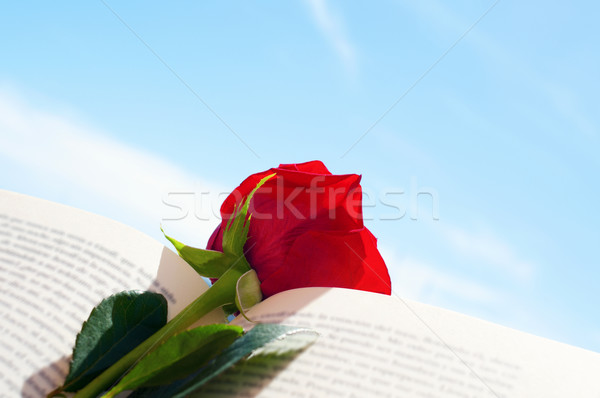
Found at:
[477, 120]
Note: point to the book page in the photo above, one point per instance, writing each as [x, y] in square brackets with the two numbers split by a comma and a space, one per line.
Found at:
[373, 345]
[56, 264]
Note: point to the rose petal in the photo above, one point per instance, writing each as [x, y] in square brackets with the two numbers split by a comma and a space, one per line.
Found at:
[315, 167]
[215, 242]
[325, 259]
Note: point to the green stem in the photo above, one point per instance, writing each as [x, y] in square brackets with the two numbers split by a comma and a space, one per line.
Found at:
[221, 293]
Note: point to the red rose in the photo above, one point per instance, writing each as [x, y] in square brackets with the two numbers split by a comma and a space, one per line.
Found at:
[306, 230]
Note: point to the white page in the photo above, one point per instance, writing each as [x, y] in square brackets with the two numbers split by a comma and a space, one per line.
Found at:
[56, 264]
[373, 345]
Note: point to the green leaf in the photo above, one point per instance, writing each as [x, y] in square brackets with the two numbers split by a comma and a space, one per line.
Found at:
[207, 263]
[247, 292]
[263, 339]
[178, 357]
[236, 231]
[116, 326]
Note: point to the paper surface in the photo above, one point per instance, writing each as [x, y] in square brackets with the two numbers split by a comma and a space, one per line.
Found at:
[373, 345]
[56, 264]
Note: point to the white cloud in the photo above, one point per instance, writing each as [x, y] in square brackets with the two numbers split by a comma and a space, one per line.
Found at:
[84, 163]
[570, 107]
[333, 29]
[564, 101]
[419, 281]
[489, 250]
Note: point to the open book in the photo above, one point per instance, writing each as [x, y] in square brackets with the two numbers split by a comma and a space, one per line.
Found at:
[57, 263]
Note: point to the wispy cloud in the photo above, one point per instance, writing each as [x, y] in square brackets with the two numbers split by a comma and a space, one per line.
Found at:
[489, 250]
[571, 108]
[417, 280]
[333, 29]
[564, 100]
[83, 163]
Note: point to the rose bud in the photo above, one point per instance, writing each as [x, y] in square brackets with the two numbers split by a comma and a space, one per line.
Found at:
[306, 230]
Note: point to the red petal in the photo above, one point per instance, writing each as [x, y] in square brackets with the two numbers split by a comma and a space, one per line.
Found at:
[215, 242]
[325, 259]
[314, 167]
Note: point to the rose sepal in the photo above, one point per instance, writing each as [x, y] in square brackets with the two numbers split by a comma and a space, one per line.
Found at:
[212, 263]
[207, 263]
[248, 292]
